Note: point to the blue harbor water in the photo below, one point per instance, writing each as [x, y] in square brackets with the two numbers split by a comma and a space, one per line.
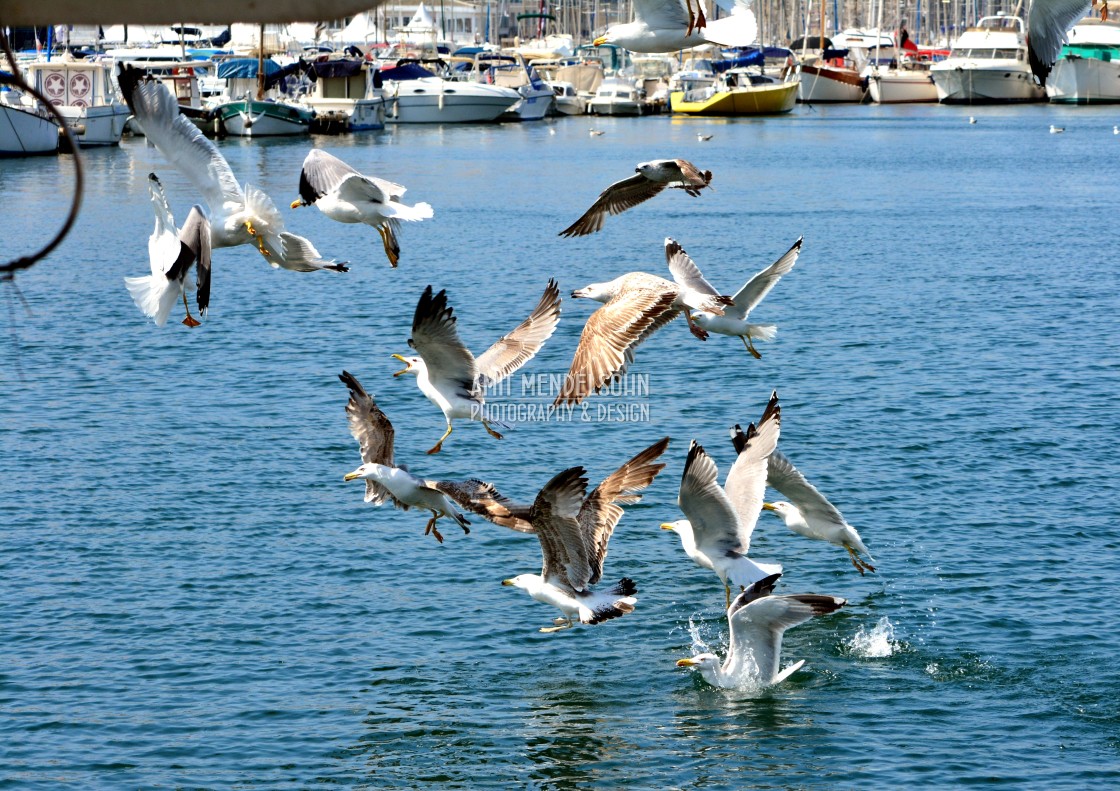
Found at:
[191, 596]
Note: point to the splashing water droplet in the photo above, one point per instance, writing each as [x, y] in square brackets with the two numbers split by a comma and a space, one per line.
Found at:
[875, 642]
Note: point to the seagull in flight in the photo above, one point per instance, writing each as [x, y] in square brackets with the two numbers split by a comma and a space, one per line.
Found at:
[171, 254]
[757, 621]
[716, 532]
[345, 195]
[454, 379]
[237, 216]
[672, 25]
[649, 179]
[574, 528]
[389, 482]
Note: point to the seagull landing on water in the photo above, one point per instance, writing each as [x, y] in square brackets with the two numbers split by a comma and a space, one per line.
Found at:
[171, 255]
[757, 621]
[345, 195]
[387, 482]
[454, 379]
[237, 216]
[574, 528]
[732, 319]
[649, 179]
[720, 521]
[671, 25]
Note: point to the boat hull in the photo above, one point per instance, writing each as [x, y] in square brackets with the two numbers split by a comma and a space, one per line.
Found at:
[263, 119]
[1000, 83]
[826, 85]
[25, 133]
[361, 114]
[901, 88]
[100, 125]
[1078, 80]
[753, 100]
[533, 105]
[434, 101]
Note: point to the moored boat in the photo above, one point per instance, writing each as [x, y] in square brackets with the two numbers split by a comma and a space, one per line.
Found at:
[746, 88]
[25, 127]
[420, 97]
[1088, 70]
[988, 64]
[84, 93]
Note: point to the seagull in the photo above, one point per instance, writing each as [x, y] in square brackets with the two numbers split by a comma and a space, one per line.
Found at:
[1056, 130]
[732, 319]
[671, 25]
[649, 179]
[171, 255]
[595, 132]
[703, 137]
[757, 622]
[717, 531]
[1116, 130]
[454, 379]
[1048, 25]
[345, 195]
[971, 119]
[635, 306]
[809, 514]
[237, 216]
[387, 482]
[574, 529]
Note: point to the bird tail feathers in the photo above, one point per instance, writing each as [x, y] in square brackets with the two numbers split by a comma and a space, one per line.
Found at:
[605, 609]
[763, 332]
[738, 30]
[155, 295]
[745, 572]
[789, 671]
[400, 211]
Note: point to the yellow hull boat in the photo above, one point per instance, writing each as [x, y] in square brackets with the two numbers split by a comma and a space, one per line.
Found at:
[765, 99]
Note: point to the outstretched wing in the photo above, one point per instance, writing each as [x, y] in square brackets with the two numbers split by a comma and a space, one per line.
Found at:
[451, 366]
[707, 507]
[755, 289]
[180, 141]
[600, 513]
[615, 199]
[555, 515]
[661, 14]
[757, 628]
[746, 480]
[195, 234]
[513, 350]
[787, 479]
[1048, 25]
[480, 497]
[374, 432]
[609, 336]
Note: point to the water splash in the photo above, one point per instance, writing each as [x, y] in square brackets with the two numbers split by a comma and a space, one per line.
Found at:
[875, 642]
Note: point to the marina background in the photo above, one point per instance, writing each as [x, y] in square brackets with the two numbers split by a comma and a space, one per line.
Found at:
[192, 597]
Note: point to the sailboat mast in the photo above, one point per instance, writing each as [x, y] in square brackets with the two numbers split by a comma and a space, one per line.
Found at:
[260, 63]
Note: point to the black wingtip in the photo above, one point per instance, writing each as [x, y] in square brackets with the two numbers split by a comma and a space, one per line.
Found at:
[738, 438]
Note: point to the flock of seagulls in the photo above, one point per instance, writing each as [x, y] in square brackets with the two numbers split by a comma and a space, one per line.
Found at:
[572, 525]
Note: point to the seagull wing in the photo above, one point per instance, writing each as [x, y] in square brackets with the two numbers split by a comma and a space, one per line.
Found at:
[615, 199]
[195, 234]
[755, 289]
[707, 507]
[322, 174]
[787, 479]
[609, 336]
[555, 515]
[374, 432]
[180, 141]
[1048, 25]
[746, 480]
[164, 247]
[451, 366]
[601, 510]
[757, 628]
[480, 497]
[513, 350]
[661, 14]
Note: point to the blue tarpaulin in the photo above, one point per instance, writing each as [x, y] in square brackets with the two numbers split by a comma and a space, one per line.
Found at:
[245, 68]
[409, 71]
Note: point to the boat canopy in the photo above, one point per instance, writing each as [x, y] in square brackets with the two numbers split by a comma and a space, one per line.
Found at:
[335, 68]
[753, 58]
[245, 68]
[405, 71]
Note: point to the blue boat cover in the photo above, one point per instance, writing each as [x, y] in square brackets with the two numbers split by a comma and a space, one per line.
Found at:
[409, 71]
[245, 68]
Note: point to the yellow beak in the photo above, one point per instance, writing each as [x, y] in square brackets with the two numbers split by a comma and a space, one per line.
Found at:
[350, 476]
[667, 526]
[407, 365]
[686, 662]
[296, 204]
[600, 41]
[507, 582]
[768, 507]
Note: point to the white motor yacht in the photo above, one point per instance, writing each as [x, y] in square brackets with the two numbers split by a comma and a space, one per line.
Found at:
[1088, 70]
[987, 64]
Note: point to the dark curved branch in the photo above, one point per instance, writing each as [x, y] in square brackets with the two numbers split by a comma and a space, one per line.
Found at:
[8, 270]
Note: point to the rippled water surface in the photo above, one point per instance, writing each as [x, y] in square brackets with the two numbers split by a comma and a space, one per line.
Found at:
[190, 596]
